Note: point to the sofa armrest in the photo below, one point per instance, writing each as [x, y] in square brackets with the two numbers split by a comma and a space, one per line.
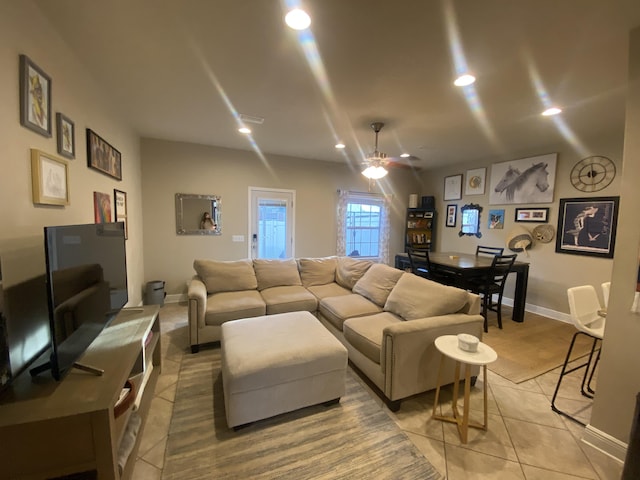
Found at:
[197, 297]
[409, 355]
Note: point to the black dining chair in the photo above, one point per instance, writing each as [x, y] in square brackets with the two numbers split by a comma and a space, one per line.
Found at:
[421, 266]
[480, 249]
[493, 284]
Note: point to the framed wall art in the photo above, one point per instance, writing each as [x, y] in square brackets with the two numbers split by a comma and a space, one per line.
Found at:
[452, 214]
[121, 215]
[66, 136]
[527, 180]
[453, 187]
[50, 179]
[496, 219]
[474, 181]
[103, 157]
[587, 226]
[101, 207]
[35, 97]
[535, 215]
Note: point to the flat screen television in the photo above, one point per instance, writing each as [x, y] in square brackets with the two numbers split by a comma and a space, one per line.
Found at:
[86, 274]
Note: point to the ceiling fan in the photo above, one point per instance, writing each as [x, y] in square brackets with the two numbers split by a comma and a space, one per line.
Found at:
[375, 164]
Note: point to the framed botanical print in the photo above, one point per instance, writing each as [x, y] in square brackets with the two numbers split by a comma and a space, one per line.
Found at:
[66, 136]
[35, 97]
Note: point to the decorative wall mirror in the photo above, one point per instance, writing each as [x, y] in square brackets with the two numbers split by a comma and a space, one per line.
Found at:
[198, 214]
[470, 224]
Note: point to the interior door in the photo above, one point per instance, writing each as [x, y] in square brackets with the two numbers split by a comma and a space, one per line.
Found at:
[271, 223]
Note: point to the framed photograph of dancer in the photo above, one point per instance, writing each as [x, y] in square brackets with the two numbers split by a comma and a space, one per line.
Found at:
[587, 226]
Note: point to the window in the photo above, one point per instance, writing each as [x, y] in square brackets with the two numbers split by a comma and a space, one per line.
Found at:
[363, 226]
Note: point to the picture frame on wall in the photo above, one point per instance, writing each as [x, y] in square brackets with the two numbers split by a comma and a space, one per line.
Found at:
[101, 207]
[49, 178]
[452, 215]
[496, 219]
[525, 180]
[587, 226]
[120, 213]
[534, 215]
[102, 156]
[35, 97]
[66, 136]
[453, 187]
[475, 181]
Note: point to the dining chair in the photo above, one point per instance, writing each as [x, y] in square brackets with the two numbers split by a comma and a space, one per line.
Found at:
[493, 284]
[480, 249]
[421, 266]
[606, 287]
[583, 308]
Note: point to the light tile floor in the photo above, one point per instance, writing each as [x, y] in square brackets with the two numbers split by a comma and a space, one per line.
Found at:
[525, 439]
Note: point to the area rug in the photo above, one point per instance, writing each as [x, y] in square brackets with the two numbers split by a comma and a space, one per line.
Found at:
[352, 439]
[531, 348]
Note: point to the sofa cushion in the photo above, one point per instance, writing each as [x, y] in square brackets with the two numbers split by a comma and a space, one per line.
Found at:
[276, 273]
[317, 271]
[328, 290]
[349, 271]
[416, 297]
[226, 276]
[225, 306]
[285, 299]
[365, 333]
[377, 282]
[337, 309]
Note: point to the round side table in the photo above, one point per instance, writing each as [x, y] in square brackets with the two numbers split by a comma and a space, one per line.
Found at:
[448, 347]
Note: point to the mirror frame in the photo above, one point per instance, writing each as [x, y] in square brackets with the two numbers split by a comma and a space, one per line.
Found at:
[215, 211]
[470, 206]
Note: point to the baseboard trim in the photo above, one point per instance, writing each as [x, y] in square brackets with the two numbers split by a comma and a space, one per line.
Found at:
[176, 298]
[545, 312]
[605, 443]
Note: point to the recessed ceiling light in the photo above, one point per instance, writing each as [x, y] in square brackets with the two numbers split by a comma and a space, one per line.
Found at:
[340, 145]
[244, 130]
[551, 111]
[464, 80]
[297, 19]
[405, 155]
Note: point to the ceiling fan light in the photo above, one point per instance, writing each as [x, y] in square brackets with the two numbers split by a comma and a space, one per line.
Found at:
[373, 172]
[297, 19]
[551, 111]
[464, 80]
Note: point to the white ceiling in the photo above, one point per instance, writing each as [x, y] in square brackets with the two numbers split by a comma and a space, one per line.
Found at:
[180, 70]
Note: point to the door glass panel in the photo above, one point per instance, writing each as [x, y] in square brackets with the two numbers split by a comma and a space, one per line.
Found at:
[272, 228]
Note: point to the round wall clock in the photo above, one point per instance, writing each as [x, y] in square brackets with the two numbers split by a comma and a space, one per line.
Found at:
[593, 173]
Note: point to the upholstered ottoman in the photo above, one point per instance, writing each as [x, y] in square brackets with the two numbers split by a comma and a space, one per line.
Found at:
[279, 363]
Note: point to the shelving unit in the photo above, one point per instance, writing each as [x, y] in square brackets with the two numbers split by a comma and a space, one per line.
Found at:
[68, 427]
[420, 224]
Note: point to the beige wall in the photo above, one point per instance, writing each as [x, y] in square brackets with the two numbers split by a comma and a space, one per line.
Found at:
[618, 380]
[550, 273]
[173, 167]
[23, 30]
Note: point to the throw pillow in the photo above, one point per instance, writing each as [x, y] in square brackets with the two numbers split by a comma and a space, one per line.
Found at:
[276, 273]
[317, 271]
[416, 297]
[226, 276]
[377, 282]
[350, 270]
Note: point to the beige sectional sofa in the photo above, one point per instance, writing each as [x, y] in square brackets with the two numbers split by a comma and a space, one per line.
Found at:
[387, 319]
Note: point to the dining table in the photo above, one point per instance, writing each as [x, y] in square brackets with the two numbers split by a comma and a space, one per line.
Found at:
[468, 265]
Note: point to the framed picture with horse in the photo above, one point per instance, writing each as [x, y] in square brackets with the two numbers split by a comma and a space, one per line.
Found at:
[526, 180]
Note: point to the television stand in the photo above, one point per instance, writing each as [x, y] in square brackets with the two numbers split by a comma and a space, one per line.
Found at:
[60, 429]
[89, 368]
